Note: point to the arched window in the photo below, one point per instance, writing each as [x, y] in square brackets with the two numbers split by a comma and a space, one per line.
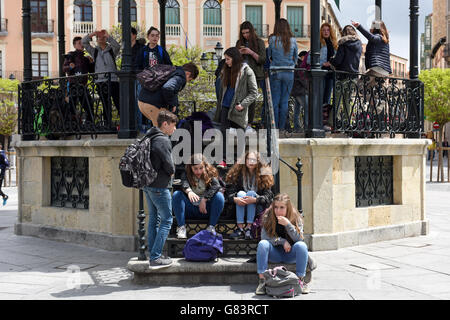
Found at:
[133, 11]
[212, 13]
[82, 10]
[172, 12]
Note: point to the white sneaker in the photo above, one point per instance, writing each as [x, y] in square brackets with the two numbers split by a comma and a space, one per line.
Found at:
[181, 232]
[211, 229]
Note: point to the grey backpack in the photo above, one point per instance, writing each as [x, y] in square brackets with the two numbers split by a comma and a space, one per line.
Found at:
[281, 283]
[135, 166]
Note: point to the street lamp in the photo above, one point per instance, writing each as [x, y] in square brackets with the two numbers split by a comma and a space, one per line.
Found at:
[218, 49]
[204, 61]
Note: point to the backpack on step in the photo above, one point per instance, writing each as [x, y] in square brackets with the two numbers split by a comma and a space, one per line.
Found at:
[135, 165]
[153, 78]
[281, 283]
[204, 246]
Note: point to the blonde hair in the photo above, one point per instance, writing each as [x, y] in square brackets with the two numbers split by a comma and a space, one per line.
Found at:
[292, 214]
[332, 35]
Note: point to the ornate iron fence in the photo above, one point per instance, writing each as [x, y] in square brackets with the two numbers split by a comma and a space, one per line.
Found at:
[367, 106]
[70, 182]
[374, 181]
[76, 105]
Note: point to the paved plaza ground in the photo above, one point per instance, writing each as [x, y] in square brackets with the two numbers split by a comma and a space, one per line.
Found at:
[412, 268]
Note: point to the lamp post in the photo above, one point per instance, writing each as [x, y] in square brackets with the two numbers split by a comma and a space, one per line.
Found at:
[219, 50]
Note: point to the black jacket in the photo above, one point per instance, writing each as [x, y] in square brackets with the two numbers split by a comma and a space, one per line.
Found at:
[135, 51]
[211, 190]
[301, 83]
[263, 200]
[377, 52]
[161, 158]
[348, 54]
[167, 96]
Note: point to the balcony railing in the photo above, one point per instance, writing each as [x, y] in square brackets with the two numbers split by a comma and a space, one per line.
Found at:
[173, 30]
[83, 27]
[212, 30]
[67, 106]
[300, 31]
[3, 25]
[43, 27]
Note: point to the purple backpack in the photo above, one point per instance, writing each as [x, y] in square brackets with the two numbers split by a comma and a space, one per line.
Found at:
[255, 229]
[204, 246]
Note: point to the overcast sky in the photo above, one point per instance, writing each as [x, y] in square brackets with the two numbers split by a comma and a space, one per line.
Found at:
[395, 14]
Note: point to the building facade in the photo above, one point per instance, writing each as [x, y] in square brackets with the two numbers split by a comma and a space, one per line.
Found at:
[189, 23]
[441, 34]
[426, 44]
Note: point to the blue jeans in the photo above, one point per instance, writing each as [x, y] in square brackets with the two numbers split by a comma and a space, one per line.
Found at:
[139, 125]
[328, 84]
[281, 86]
[183, 208]
[267, 252]
[251, 208]
[159, 208]
[301, 101]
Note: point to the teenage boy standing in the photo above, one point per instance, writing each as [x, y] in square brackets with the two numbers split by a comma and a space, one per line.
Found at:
[157, 194]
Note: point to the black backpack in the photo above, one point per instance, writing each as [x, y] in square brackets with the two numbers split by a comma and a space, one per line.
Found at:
[153, 78]
[135, 165]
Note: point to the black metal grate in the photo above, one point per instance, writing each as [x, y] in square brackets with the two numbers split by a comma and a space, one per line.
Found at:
[374, 181]
[70, 182]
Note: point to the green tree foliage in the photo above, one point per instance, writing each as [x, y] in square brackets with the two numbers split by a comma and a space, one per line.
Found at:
[437, 102]
[437, 95]
[8, 107]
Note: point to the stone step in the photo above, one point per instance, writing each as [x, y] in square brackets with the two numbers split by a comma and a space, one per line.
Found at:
[222, 271]
[231, 248]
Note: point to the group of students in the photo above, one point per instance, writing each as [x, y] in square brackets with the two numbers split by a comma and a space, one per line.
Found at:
[248, 186]
[242, 70]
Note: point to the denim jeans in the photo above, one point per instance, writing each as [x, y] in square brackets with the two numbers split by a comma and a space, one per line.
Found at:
[251, 208]
[281, 86]
[328, 84]
[267, 252]
[183, 208]
[159, 209]
[301, 102]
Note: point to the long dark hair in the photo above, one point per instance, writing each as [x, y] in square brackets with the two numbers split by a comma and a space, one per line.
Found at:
[283, 31]
[229, 75]
[253, 40]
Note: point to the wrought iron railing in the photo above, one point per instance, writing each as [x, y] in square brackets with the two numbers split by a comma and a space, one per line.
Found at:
[43, 26]
[75, 105]
[300, 30]
[369, 106]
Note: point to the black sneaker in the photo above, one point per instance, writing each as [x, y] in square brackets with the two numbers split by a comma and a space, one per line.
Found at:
[237, 234]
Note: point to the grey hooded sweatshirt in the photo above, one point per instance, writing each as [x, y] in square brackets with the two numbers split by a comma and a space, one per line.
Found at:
[104, 61]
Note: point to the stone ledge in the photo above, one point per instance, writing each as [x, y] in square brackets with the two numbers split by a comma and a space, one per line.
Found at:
[91, 239]
[323, 242]
[222, 271]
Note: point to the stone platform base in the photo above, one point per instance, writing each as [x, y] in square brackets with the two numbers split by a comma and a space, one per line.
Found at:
[322, 242]
[91, 239]
[182, 272]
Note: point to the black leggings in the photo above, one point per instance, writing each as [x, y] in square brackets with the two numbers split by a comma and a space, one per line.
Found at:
[2, 177]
